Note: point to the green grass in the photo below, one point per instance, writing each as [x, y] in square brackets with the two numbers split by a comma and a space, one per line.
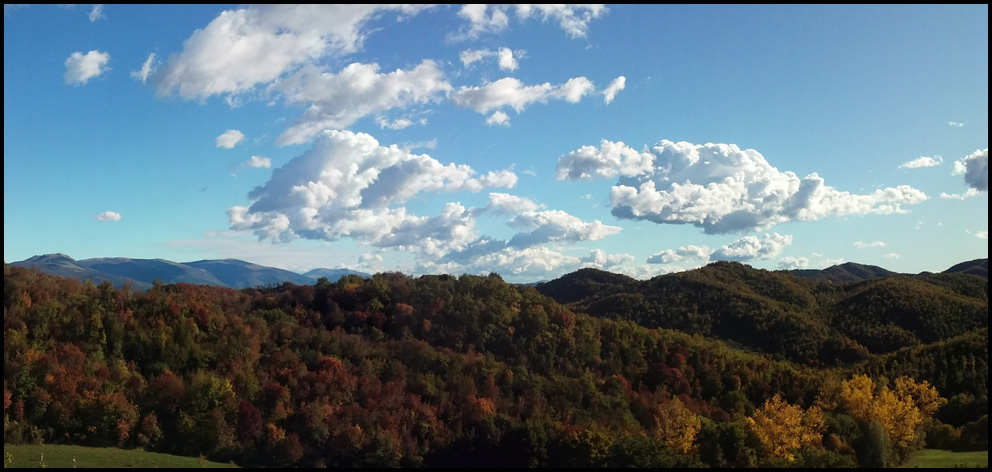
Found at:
[936, 458]
[93, 457]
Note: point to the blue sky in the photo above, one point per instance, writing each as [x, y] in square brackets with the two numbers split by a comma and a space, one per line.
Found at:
[526, 141]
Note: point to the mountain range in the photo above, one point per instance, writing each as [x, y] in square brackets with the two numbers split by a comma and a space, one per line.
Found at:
[142, 273]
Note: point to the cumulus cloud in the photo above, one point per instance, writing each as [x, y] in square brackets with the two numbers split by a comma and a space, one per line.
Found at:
[230, 138]
[109, 216]
[873, 244]
[506, 59]
[337, 100]
[510, 92]
[539, 226]
[751, 248]
[258, 162]
[147, 68]
[608, 160]
[601, 260]
[498, 118]
[955, 124]
[614, 88]
[975, 168]
[892, 255]
[982, 234]
[247, 47]
[347, 185]
[971, 192]
[793, 263]
[507, 204]
[922, 161]
[748, 248]
[691, 252]
[721, 188]
[96, 13]
[400, 123]
[573, 19]
[556, 226]
[471, 56]
[80, 68]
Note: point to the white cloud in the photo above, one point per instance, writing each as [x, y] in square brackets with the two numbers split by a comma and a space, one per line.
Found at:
[873, 244]
[506, 204]
[573, 19]
[693, 252]
[400, 123]
[481, 21]
[922, 161]
[247, 47]
[510, 92]
[539, 226]
[971, 192]
[975, 168]
[347, 185]
[601, 260]
[608, 160]
[506, 59]
[556, 226]
[575, 89]
[257, 162]
[109, 216]
[498, 118]
[80, 68]
[96, 13]
[892, 255]
[507, 91]
[614, 88]
[336, 101]
[722, 189]
[955, 124]
[793, 263]
[471, 56]
[748, 248]
[751, 248]
[147, 69]
[230, 138]
[982, 234]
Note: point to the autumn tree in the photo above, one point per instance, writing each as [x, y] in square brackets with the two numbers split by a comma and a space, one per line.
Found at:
[783, 428]
[676, 426]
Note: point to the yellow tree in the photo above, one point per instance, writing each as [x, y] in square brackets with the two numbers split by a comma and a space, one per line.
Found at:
[783, 428]
[900, 411]
[676, 426]
[924, 395]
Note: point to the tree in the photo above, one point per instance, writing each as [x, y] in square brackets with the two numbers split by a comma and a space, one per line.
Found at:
[676, 426]
[783, 428]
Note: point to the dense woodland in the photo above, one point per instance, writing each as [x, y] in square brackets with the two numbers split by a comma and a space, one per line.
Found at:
[724, 366]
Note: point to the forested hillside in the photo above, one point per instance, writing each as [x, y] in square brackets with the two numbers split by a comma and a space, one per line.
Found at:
[806, 320]
[469, 370]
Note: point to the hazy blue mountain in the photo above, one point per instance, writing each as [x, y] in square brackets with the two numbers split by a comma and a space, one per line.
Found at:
[333, 275]
[65, 266]
[142, 273]
[241, 274]
[151, 269]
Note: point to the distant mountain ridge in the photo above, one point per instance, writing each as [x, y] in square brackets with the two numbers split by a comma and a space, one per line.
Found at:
[833, 316]
[142, 273]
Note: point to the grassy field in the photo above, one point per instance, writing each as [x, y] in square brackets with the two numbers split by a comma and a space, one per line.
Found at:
[90, 457]
[936, 458]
